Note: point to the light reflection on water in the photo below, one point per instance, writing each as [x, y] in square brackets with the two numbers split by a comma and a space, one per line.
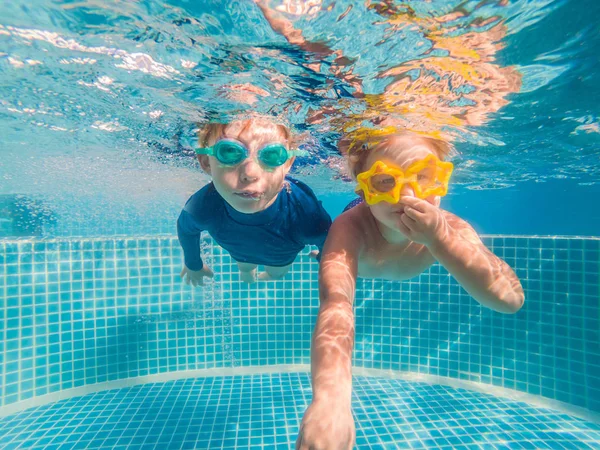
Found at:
[100, 88]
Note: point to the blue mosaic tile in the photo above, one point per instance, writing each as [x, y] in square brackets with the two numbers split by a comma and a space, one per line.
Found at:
[265, 411]
[111, 308]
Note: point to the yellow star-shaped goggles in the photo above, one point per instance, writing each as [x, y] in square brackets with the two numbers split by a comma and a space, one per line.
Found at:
[428, 176]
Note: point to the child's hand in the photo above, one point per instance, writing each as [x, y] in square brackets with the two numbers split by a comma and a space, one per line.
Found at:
[422, 222]
[327, 427]
[196, 277]
[314, 254]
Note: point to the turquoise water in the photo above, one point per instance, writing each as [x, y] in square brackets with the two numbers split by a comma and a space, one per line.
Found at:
[101, 346]
[110, 95]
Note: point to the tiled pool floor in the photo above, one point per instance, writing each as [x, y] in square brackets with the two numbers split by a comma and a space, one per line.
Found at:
[264, 411]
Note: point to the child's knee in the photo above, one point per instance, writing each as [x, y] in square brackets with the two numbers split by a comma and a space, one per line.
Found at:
[277, 272]
[246, 267]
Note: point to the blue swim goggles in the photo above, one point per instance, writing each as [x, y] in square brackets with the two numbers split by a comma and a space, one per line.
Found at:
[231, 153]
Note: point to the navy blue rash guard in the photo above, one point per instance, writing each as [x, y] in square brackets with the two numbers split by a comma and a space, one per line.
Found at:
[272, 237]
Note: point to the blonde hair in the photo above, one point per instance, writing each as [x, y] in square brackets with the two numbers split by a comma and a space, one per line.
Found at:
[357, 149]
[210, 132]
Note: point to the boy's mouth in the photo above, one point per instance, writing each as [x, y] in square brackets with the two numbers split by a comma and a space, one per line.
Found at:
[250, 195]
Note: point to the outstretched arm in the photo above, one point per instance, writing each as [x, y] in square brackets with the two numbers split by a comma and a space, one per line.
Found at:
[333, 339]
[456, 245]
[328, 421]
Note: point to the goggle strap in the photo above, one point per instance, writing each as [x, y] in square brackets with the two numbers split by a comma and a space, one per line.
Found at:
[298, 152]
[204, 151]
[291, 153]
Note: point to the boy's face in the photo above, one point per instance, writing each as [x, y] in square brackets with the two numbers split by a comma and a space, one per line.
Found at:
[248, 187]
[401, 152]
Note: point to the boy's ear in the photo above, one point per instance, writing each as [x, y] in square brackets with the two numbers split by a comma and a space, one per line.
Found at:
[288, 164]
[204, 163]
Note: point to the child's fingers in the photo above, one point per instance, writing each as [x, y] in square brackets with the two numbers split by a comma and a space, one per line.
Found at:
[414, 202]
[404, 229]
[408, 221]
[413, 213]
[200, 281]
[409, 200]
[182, 273]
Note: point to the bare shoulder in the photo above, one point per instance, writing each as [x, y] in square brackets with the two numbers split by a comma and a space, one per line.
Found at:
[463, 227]
[352, 221]
[350, 226]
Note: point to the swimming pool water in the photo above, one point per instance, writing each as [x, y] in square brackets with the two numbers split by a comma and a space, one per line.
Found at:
[101, 346]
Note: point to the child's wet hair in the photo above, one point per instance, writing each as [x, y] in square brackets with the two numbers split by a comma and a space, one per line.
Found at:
[357, 150]
[210, 132]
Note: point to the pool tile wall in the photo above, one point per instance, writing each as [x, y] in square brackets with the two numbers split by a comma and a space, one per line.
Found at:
[81, 311]
[549, 348]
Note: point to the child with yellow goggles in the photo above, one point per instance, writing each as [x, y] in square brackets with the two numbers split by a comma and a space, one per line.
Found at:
[427, 177]
[396, 233]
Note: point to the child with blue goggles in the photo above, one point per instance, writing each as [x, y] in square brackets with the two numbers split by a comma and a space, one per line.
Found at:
[230, 152]
[251, 208]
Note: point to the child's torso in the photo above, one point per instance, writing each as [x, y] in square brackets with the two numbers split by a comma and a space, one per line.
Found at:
[394, 262]
[380, 259]
[269, 244]
[269, 238]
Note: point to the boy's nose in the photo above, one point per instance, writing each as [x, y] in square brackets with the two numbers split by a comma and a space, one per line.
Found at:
[249, 171]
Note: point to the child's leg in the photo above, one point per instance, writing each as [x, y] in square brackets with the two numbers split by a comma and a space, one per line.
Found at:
[274, 273]
[247, 272]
